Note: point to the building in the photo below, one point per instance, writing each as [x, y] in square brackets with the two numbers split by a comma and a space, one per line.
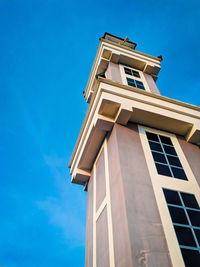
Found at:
[138, 157]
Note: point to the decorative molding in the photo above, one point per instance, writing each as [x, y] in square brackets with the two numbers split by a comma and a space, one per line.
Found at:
[106, 203]
[94, 218]
[113, 103]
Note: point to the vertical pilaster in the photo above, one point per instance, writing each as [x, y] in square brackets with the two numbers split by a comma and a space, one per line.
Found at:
[102, 217]
[110, 225]
[94, 217]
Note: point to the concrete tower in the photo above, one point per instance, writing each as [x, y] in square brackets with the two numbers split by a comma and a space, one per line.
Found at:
[138, 157]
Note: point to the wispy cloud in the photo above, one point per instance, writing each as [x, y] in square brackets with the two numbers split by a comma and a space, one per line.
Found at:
[68, 209]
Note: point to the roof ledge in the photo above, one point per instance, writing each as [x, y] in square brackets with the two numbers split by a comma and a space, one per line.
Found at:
[193, 135]
[115, 103]
[80, 177]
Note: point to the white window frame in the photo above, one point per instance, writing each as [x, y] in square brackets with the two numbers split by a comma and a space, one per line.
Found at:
[160, 181]
[141, 79]
[168, 164]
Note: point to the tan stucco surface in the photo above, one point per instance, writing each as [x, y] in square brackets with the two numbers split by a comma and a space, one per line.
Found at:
[113, 72]
[138, 237]
[122, 247]
[192, 154]
[102, 254]
[151, 83]
[147, 240]
[100, 180]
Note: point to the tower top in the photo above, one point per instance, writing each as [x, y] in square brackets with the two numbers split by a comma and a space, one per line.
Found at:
[118, 40]
[113, 49]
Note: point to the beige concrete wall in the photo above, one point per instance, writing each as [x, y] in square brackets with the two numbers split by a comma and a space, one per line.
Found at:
[100, 180]
[121, 239]
[113, 72]
[137, 233]
[192, 154]
[148, 243]
[151, 83]
[102, 246]
[98, 230]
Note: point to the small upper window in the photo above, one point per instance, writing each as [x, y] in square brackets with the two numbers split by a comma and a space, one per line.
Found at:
[136, 82]
[132, 72]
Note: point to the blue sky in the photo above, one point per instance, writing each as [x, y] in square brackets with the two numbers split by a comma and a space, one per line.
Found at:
[47, 51]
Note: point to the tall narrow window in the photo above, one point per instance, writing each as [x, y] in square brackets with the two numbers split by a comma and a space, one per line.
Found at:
[185, 214]
[165, 156]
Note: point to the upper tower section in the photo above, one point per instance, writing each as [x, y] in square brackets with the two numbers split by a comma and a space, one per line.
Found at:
[117, 60]
[121, 89]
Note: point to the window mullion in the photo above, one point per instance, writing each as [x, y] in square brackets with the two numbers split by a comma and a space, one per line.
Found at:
[132, 73]
[185, 225]
[189, 247]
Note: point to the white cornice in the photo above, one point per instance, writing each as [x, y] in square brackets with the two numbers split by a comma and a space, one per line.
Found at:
[116, 103]
[143, 92]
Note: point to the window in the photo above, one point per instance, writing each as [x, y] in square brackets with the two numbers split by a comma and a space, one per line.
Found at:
[133, 82]
[165, 157]
[131, 72]
[185, 214]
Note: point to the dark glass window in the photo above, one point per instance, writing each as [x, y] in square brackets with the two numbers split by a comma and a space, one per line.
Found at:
[172, 197]
[197, 233]
[194, 217]
[152, 137]
[167, 162]
[139, 84]
[135, 73]
[135, 83]
[189, 200]
[191, 257]
[159, 157]
[128, 71]
[179, 173]
[184, 236]
[131, 72]
[155, 146]
[174, 161]
[166, 140]
[169, 150]
[163, 170]
[131, 82]
[178, 215]
[185, 214]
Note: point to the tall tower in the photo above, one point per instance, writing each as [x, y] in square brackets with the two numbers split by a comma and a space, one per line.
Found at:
[138, 157]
